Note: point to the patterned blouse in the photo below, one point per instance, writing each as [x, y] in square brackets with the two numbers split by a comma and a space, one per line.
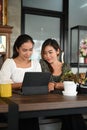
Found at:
[45, 68]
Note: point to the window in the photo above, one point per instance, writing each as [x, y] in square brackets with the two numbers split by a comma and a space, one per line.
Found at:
[44, 19]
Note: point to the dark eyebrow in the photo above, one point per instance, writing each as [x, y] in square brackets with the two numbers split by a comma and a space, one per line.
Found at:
[49, 50]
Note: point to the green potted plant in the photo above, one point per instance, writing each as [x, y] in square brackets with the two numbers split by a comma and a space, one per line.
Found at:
[69, 76]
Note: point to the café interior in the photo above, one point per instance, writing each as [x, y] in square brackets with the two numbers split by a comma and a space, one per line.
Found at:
[63, 20]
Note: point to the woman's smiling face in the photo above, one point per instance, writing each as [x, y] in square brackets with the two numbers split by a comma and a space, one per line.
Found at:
[50, 54]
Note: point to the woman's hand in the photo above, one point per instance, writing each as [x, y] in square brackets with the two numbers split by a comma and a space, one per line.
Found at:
[55, 85]
[16, 85]
[59, 85]
[51, 86]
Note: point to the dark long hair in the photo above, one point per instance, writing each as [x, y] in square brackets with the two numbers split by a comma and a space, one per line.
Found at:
[21, 39]
[54, 44]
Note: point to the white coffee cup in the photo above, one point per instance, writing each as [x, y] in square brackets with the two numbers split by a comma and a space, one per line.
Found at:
[70, 87]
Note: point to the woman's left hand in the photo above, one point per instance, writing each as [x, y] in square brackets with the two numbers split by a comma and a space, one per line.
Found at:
[59, 85]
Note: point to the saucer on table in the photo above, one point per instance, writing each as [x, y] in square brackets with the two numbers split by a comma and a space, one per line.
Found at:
[69, 94]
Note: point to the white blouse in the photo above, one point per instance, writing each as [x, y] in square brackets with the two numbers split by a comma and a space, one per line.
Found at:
[10, 72]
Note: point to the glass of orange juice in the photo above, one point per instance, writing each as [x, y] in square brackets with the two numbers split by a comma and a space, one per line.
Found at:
[5, 90]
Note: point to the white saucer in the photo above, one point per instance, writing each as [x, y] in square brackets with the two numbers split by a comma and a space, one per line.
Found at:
[69, 94]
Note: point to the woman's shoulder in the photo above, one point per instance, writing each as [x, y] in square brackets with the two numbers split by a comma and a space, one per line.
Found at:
[44, 66]
[9, 61]
[8, 64]
[43, 63]
[36, 65]
[35, 61]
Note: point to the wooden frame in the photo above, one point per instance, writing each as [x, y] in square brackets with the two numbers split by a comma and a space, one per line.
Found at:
[5, 32]
[0, 12]
[3, 43]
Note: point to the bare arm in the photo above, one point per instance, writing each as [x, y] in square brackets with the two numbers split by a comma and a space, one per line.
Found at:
[55, 85]
[59, 85]
[16, 85]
